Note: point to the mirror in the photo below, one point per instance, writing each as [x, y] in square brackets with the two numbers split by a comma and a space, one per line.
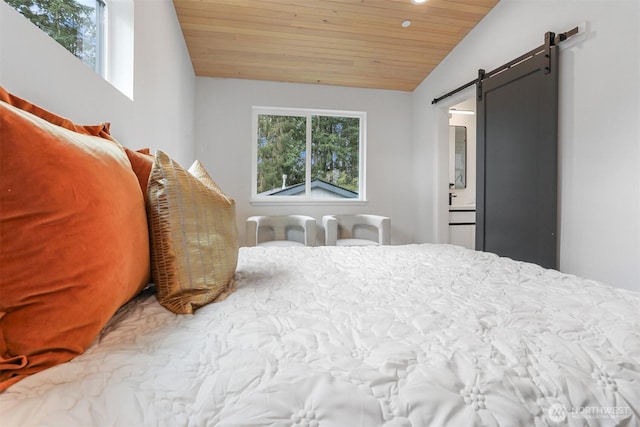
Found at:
[457, 157]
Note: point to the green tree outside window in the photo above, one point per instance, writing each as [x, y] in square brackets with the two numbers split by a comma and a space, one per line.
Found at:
[69, 22]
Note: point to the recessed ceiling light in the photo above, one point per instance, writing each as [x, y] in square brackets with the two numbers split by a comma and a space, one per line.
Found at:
[406, 24]
[418, 1]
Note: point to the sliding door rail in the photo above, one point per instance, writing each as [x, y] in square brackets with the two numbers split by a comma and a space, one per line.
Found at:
[550, 39]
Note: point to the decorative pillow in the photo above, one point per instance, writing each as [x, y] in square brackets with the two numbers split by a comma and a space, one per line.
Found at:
[141, 163]
[194, 237]
[75, 244]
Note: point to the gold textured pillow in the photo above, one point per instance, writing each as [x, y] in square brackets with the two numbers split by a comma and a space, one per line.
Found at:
[194, 237]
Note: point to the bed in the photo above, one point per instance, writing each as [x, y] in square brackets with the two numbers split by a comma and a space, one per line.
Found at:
[408, 335]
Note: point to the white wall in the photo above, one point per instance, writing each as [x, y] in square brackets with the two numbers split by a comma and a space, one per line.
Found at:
[599, 131]
[164, 84]
[35, 67]
[223, 144]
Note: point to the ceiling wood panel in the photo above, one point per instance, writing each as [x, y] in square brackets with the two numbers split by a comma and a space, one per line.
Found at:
[356, 43]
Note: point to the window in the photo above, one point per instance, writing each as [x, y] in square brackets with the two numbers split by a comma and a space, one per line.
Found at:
[303, 156]
[78, 25]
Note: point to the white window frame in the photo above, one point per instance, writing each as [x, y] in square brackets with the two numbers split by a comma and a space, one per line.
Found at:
[256, 199]
[102, 27]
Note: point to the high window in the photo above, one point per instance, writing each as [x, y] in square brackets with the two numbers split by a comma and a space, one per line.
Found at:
[78, 25]
[304, 156]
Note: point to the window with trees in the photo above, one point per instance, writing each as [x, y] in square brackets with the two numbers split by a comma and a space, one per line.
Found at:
[308, 155]
[78, 25]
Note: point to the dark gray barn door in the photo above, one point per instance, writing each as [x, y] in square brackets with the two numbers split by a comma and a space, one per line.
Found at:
[516, 200]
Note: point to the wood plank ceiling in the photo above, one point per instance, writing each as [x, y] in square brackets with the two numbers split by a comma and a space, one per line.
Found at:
[356, 43]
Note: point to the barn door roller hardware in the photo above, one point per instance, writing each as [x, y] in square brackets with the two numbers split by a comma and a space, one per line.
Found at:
[550, 39]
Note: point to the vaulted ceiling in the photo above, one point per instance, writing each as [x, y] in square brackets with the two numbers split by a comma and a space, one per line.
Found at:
[356, 43]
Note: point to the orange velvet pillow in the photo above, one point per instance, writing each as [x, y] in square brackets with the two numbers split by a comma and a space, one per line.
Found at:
[141, 163]
[75, 241]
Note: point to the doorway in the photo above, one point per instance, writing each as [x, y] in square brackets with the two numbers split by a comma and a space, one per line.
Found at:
[461, 166]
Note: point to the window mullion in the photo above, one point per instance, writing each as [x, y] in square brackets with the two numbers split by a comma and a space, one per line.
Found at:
[307, 178]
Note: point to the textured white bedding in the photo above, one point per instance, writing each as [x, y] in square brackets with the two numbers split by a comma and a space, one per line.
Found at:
[415, 335]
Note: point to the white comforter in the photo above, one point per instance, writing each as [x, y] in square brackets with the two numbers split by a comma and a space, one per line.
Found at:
[417, 335]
